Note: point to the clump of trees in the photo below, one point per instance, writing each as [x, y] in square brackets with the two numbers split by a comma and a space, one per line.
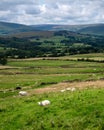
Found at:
[3, 59]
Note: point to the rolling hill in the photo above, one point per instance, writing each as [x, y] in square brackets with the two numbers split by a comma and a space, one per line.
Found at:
[11, 28]
[95, 29]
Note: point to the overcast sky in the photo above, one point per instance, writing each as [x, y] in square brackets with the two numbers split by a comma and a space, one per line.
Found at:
[52, 11]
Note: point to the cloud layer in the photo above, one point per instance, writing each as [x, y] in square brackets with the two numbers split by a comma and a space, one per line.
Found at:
[52, 11]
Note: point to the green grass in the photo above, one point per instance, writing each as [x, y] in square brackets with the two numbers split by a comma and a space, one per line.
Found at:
[32, 73]
[62, 61]
[27, 73]
[90, 55]
[80, 110]
[27, 80]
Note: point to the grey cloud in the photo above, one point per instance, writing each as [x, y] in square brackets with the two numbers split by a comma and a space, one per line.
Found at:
[52, 11]
[34, 10]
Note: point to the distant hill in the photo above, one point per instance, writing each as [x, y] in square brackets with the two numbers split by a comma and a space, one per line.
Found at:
[55, 27]
[11, 28]
[95, 29]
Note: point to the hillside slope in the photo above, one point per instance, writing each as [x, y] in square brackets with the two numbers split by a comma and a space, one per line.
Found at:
[95, 29]
[10, 28]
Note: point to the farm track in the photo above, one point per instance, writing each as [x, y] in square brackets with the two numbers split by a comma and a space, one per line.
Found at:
[63, 85]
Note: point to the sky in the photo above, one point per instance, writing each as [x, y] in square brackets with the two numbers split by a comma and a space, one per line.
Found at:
[71, 12]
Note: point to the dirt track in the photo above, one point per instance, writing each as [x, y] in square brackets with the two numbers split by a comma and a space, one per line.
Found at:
[64, 85]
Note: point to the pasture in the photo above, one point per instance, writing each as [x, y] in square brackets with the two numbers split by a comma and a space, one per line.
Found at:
[78, 110]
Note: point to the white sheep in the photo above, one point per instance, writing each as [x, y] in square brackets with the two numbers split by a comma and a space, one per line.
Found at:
[73, 89]
[68, 89]
[23, 93]
[63, 90]
[44, 103]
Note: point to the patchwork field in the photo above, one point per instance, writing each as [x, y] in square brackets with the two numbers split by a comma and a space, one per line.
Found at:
[44, 78]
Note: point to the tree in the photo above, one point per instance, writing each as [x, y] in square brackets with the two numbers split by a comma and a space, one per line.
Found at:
[3, 59]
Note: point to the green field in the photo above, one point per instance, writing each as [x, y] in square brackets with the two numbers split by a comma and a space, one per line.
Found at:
[78, 110]
[29, 72]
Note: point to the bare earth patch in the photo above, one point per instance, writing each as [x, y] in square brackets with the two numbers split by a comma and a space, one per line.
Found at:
[64, 85]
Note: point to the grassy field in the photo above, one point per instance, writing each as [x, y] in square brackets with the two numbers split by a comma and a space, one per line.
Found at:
[78, 110]
[33, 73]
[81, 110]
